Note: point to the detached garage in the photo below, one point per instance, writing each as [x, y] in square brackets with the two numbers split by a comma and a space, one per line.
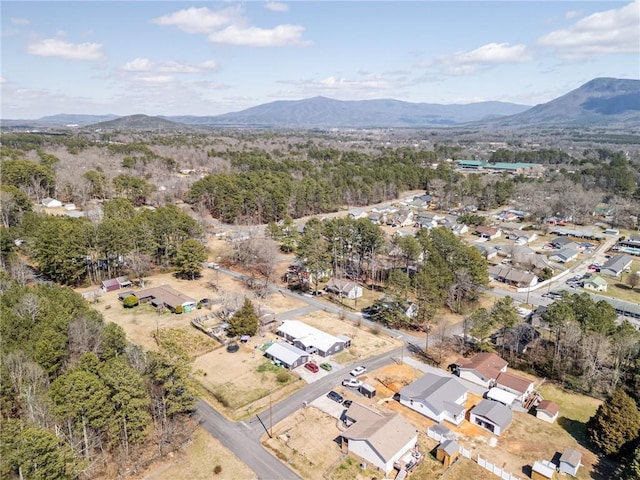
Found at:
[287, 355]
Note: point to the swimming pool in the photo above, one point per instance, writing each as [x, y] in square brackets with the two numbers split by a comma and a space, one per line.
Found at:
[631, 250]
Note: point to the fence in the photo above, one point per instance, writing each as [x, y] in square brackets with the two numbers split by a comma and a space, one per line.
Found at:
[496, 470]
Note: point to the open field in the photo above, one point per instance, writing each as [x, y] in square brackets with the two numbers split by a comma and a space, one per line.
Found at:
[197, 461]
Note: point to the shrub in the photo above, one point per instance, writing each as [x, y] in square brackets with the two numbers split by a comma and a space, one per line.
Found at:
[130, 301]
[282, 377]
[178, 309]
[217, 470]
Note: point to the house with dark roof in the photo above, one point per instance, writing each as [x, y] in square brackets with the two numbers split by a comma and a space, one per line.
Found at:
[512, 276]
[564, 255]
[482, 369]
[379, 438]
[570, 461]
[166, 296]
[110, 285]
[547, 411]
[616, 265]
[311, 339]
[517, 339]
[436, 397]
[492, 416]
[519, 386]
[563, 242]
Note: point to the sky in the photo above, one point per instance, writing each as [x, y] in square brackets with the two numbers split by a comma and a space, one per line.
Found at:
[208, 58]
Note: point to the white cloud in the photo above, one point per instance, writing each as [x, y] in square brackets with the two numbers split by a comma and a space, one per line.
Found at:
[2, 79]
[602, 33]
[230, 26]
[155, 78]
[138, 65]
[19, 21]
[571, 14]
[52, 47]
[491, 54]
[276, 6]
[260, 37]
[209, 65]
[200, 20]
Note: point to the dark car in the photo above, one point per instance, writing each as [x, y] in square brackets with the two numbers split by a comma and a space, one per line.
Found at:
[347, 403]
[335, 396]
[233, 347]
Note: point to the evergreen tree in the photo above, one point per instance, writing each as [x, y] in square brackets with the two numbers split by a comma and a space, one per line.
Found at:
[616, 422]
[189, 259]
[244, 321]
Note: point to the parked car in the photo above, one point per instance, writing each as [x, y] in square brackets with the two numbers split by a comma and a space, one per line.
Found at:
[347, 403]
[312, 367]
[335, 396]
[326, 366]
[351, 383]
[204, 302]
[213, 265]
[233, 347]
[358, 371]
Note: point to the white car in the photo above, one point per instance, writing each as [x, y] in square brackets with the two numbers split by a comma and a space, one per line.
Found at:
[351, 382]
[358, 371]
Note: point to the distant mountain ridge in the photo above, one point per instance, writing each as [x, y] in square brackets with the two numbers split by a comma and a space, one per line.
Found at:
[599, 102]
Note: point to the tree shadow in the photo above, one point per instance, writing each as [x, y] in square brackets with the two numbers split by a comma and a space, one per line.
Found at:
[575, 428]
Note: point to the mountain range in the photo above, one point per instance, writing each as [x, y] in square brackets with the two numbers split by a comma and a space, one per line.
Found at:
[607, 102]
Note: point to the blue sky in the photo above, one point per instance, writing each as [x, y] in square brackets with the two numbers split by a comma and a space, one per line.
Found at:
[208, 58]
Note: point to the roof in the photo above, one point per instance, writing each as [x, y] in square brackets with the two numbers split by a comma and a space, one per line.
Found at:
[494, 412]
[500, 395]
[598, 281]
[112, 282]
[571, 456]
[309, 336]
[512, 274]
[563, 241]
[438, 392]
[487, 230]
[285, 352]
[386, 434]
[545, 468]
[336, 284]
[565, 253]
[488, 364]
[165, 294]
[513, 381]
[549, 407]
[449, 447]
[440, 429]
[617, 263]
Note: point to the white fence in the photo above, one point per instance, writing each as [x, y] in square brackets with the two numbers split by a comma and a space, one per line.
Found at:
[496, 470]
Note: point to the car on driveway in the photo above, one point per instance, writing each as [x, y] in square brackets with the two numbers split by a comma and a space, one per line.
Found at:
[347, 403]
[335, 396]
[358, 371]
[312, 367]
[351, 382]
[326, 366]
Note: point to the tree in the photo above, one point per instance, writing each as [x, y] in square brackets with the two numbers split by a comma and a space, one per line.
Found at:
[189, 258]
[633, 279]
[480, 326]
[616, 422]
[244, 321]
[630, 467]
[505, 314]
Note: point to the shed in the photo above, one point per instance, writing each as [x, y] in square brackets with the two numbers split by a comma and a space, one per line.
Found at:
[492, 416]
[448, 452]
[51, 202]
[367, 390]
[110, 285]
[547, 411]
[543, 470]
[123, 282]
[570, 461]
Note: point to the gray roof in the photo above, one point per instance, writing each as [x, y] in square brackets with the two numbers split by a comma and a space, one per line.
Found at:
[563, 242]
[565, 254]
[449, 446]
[495, 412]
[438, 392]
[286, 353]
[440, 429]
[617, 263]
[571, 456]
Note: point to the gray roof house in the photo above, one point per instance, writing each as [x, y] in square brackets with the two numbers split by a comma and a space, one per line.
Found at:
[436, 397]
[288, 355]
[570, 461]
[564, 242]
[492, 416]
[564, 255]
[616, 265]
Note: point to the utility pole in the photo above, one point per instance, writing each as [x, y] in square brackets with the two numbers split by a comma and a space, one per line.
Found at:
[270, 418]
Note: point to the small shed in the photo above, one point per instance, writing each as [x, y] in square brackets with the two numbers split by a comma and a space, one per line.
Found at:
[123, 282]
[51, 202]
[570, 461]
[547, 411]
[448, 452]
[110, 285]
[502, 396]
[543, 470]
[367, 390]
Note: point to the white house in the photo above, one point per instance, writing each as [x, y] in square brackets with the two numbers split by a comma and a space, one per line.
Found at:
[492, 416]
[344, 288]
[547, 411]
[380, 439]
[595, 283]
[51, 202]
[437, 397]
[310, 339]
[570, 461]
[482, 369]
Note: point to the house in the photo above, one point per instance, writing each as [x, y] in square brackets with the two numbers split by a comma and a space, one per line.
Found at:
[564, 255]
[343, 288]
[536, 319]
[482, 369]
[563, 242]
[543, 470]
[51, 202]
[459, 228]
[492, 416]
[357, 213]
[486, 251]
[422, 200]
[378, 438]
[512, 276]
[166, 296]
[287, 355]
[516, 339]
[518, 386]
[570, 461]
[595, 283]
[616, 265]
[436, 397]
[310, 339]
[448, 452]
[525, 236]
[426, 221]
[547, 411]
[123, 282]
[70, 206]
[488, 232]
[110, 285]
